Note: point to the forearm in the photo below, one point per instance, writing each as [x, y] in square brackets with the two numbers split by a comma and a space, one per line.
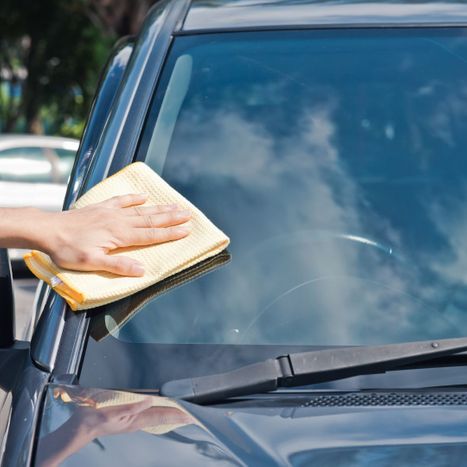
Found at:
[62, 443]
[24, 228]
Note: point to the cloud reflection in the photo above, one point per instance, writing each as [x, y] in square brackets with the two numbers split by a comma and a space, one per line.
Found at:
[285, 202]
[296, 162]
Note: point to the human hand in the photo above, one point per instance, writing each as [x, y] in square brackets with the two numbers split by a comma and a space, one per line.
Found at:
[92, 423]
[87, 423]
[126, 418]
[82, 239]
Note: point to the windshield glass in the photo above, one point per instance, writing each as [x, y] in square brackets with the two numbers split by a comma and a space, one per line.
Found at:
[335, 161]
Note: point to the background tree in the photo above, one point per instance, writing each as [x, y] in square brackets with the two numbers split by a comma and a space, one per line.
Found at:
[119, 17]
[51, 54]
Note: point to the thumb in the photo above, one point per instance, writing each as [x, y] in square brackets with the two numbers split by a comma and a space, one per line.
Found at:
[121, 265]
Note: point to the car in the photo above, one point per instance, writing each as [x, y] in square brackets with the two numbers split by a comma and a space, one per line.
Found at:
[34, 171]
[327, 139]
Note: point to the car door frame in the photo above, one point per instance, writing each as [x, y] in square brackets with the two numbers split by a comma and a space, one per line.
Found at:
[35, 361]
[108, 143]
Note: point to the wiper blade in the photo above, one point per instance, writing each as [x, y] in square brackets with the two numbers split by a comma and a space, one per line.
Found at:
[298, 369]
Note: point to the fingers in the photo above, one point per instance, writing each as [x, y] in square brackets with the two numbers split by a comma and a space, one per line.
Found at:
[121, 265]
[133, 204]
[148, 216]
[125, 266]
[154, 235]
[161, 416]
[151, 210]
[162, 219]
[124, 201]
[171, 416]
[132, 408]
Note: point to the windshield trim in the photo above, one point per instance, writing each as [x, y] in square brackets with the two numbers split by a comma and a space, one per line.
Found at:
[202, 17]
[320, 27]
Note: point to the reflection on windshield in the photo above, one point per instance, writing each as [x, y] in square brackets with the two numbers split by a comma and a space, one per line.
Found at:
[110, 320]
[335, 162]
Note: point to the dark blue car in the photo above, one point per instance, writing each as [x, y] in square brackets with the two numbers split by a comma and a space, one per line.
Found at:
[328, 139]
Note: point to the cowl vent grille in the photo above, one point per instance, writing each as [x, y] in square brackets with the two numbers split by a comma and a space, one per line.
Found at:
[371, 399]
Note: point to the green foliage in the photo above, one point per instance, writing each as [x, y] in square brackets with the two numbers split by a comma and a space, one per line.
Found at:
[72, 128]
[53, 53]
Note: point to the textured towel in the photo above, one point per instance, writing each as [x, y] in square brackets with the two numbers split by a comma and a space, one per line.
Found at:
[83, 290]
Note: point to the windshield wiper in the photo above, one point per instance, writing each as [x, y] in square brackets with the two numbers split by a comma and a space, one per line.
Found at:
[298, 369]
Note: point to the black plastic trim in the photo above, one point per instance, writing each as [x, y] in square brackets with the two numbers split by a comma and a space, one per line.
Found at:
[7, 327]
[48, 334]
[193, 32]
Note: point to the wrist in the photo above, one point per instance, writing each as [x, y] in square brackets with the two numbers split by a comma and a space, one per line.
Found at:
[22, 227]
[80, 429]
[42, 230]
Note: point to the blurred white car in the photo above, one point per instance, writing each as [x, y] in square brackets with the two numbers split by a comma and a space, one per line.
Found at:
[34, 171]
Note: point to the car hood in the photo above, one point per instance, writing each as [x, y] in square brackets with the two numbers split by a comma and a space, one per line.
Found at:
[97, 427]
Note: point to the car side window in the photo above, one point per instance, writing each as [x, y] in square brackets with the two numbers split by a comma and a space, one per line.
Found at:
[66, 161]
[28, 164]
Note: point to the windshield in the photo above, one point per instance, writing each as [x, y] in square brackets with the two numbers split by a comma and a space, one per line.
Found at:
[335, 161]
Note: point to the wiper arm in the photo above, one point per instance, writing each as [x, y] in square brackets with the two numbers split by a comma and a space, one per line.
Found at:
[297, 369]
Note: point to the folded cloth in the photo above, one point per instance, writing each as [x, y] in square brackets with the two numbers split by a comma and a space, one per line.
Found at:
[84, 290]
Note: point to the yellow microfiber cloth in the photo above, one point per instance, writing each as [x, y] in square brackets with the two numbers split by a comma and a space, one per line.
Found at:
[84, 290]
